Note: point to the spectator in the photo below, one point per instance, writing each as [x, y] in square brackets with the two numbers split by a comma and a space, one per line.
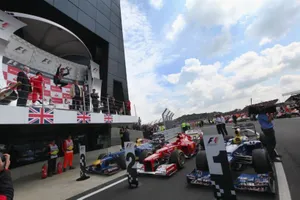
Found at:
[95, 100]
[37, 84]
[126, 136]
[122, 136]
[112, 105]
[76, 94]
[6, 185]
[234, 119]
[25, 88]
[59, 76]
[128, 108]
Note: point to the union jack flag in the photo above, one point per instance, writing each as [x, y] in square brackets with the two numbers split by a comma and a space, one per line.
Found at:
[108, 118]
[40, 115]
[83, 117]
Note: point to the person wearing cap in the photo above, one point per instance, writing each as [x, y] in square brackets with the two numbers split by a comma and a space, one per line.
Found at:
[6, 184]
[53, 154]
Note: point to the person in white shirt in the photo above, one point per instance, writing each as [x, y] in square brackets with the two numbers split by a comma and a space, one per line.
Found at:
[223, 126]
[218, 122]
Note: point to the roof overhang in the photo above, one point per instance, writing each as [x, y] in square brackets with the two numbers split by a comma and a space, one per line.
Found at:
[51, 36]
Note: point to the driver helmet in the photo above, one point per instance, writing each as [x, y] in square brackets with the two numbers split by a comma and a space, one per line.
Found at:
[237, 139]
[139, 141]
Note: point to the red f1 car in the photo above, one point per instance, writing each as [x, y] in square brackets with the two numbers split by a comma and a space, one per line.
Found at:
[168, 159]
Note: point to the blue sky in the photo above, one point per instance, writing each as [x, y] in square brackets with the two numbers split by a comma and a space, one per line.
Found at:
[197, 56]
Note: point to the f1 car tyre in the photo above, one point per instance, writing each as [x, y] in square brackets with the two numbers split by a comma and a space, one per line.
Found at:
[202, 144]
[227, 137]
[143, 155]
[177, 157]
[261, 162]
[121, 161]
[201, 161]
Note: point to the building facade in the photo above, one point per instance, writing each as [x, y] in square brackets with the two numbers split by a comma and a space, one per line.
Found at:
[103, 17]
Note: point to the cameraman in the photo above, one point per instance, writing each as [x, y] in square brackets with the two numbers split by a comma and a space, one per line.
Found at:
[6, 186]
[267, 127]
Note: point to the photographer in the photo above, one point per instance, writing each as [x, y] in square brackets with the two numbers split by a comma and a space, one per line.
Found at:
[267, 127]
[6, 186]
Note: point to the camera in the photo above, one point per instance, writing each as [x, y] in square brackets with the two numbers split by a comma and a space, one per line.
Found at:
[262, 109]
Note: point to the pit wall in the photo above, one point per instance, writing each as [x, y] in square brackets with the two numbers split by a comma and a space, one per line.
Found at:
[35, 169]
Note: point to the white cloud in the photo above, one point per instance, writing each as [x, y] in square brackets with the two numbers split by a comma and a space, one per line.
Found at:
[143, 54]
[274, 20]
[157, 4]
[225, 87]
[176, 27]
[264, 41]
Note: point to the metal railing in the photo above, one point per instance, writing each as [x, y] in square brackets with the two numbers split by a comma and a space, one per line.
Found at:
[47, 94]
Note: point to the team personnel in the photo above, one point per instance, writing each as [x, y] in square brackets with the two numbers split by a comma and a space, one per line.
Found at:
[37, 84]
[267, 127]
[6, 185]
[223, 126]
[53, 154]
[68, 153]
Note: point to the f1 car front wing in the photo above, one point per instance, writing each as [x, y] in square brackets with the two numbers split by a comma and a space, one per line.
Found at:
[245, 182]
[162, 170]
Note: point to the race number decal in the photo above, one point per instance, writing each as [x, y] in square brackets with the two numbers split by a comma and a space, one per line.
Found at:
[131, 164]
[83, 175]
[219, 167]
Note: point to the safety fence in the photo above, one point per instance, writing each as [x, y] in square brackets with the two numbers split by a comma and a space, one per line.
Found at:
[35, 90]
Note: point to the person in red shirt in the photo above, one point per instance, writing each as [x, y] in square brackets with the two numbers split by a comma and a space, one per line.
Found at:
[68, 153]
[128, 106]
[37, 84]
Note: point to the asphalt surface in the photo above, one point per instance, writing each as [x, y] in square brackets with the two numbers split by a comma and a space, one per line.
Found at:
[175, 187]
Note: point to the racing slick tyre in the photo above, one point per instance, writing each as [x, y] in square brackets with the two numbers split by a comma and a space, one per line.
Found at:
[177, 157]
[201, 161]
[121, 161]
[227, 137]
[261, 162]
[202, 144]
[144, 155]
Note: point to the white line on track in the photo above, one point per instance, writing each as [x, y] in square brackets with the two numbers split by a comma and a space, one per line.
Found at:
[283, 186]
[102, 189]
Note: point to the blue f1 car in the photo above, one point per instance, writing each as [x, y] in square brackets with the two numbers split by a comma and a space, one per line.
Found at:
[243, 151]
[111, 163]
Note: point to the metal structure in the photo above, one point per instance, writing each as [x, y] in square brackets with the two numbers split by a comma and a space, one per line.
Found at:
[167, 118]
[291, 93]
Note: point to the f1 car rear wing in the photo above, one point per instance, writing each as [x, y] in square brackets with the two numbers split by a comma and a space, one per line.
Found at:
[169, 133]
[247, 129]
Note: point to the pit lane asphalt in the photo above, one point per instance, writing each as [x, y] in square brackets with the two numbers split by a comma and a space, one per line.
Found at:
[175, 187]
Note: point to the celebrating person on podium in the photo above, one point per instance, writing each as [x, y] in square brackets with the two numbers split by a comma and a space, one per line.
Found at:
[68, 153]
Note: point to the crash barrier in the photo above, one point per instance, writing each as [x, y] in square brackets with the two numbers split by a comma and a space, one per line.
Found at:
[170, 133]
[115, 135]
[35, 169]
